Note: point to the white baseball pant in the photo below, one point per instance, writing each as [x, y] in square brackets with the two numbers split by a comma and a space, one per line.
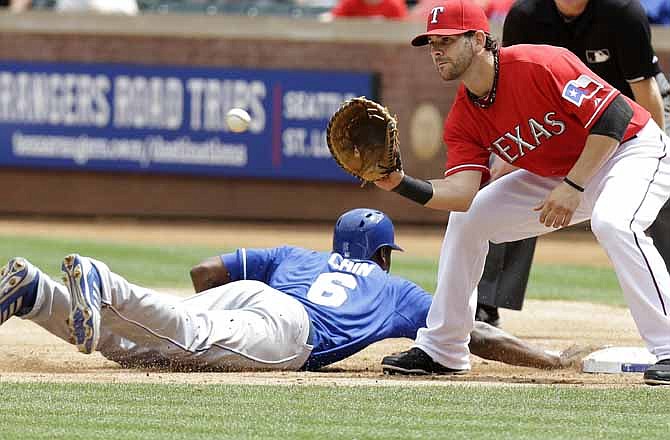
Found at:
[244, 325]
[621, 200]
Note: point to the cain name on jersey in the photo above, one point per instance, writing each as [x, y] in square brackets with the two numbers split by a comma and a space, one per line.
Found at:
[337, 262]
[512, 151]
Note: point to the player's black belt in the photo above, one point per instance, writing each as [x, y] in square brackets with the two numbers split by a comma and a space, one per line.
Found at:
[309, 341]
[310, 336]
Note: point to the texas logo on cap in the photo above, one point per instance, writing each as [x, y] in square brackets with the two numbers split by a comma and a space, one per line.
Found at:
[453, 17]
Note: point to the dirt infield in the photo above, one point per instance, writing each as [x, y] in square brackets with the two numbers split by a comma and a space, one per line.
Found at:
[29, 353]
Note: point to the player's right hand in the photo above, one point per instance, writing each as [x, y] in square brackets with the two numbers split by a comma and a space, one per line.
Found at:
[557, 209]
[390, 181]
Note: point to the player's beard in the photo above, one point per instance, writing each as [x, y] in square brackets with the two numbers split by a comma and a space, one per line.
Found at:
[455, 67]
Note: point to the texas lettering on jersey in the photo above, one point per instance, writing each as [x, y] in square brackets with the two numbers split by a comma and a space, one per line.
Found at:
[511, 145]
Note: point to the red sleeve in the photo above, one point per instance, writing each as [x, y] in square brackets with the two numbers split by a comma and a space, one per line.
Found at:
[464, 149]
[582, 92]
[343, 9]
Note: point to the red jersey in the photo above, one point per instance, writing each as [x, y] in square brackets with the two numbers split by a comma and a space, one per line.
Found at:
[396, 9]
[547, 100]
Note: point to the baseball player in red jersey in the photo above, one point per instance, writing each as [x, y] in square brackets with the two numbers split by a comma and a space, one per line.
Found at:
[585, 151]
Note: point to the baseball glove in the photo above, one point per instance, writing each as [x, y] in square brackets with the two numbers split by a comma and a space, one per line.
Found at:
[363, 138]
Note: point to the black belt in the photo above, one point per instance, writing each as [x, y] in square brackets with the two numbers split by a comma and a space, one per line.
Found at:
[309, 341]
[310, 335]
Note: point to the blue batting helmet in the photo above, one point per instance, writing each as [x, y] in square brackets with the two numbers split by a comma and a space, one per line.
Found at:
[359, 233]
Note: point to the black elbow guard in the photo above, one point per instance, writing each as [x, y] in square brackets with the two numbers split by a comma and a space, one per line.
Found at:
[614, 120]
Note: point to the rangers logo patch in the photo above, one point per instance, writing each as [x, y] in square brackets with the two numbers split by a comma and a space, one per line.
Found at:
[577, 90]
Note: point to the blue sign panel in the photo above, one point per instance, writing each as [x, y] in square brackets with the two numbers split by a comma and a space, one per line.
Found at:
[157, 119]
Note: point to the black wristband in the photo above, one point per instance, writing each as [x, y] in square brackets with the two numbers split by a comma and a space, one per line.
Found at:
[573, 184]
[420, 191]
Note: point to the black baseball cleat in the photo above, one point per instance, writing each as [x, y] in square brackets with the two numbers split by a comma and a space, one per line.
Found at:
[658, 374]
[415, 362]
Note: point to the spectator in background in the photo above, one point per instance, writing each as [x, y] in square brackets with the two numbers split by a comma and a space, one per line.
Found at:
[16, 5]
[128, 7]
[658, 11]
[495, 10]
[381, 9]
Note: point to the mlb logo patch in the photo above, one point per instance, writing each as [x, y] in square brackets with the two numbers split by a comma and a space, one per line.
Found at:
[577, 90]
[597, 56]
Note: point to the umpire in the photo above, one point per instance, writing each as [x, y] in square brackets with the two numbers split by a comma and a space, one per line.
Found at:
[613, 39]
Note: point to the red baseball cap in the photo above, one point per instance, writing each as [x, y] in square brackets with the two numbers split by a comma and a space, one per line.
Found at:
[453, 17]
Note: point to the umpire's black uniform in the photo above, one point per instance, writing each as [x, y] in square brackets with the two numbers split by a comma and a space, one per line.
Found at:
[613, 39]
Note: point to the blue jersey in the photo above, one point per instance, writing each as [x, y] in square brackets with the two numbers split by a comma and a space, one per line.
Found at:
[351, 303]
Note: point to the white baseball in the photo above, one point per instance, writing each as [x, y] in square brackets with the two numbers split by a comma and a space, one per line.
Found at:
[237, 120]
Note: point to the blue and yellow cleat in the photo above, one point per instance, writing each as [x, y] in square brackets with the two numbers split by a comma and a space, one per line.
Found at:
[18, 288]
[83, 281]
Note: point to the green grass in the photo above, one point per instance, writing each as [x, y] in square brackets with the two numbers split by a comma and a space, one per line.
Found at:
[547, 281]
[575, 283]
[156, 266]
[141, 411]
[168, 266]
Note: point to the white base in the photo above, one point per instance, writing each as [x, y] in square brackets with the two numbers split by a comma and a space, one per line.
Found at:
[618, 360]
